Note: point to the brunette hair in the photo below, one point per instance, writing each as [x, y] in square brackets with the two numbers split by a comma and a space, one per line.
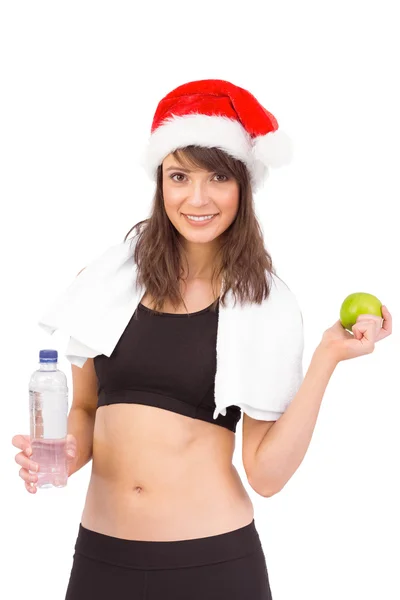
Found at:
[242, 258]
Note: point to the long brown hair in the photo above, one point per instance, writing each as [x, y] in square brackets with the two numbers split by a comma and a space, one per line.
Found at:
[242, 258]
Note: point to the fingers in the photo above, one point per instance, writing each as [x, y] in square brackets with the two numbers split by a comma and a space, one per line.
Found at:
[30, 480]
[357, 334]
[22, 442]
[387, 323]
[383, 329]
[25, 462]
[31, 487]
[22, 458]
[365, 332]
[28, 477]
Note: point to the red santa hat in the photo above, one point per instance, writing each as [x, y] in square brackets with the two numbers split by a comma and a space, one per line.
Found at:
[217, 113]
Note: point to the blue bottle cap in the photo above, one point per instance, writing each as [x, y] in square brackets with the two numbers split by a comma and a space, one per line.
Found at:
[47, 356]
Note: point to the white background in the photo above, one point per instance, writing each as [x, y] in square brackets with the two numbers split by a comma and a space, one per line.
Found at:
[80, 82]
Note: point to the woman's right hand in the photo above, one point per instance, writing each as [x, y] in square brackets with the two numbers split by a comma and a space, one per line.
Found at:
[23, 442]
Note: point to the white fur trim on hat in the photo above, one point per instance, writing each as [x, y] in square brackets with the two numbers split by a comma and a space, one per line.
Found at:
[273, 149]
[214, 131]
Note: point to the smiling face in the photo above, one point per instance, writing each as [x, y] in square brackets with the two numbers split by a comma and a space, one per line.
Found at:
[192, 191]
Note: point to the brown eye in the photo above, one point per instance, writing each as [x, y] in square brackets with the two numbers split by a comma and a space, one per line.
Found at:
[176, 174]
[220, 175]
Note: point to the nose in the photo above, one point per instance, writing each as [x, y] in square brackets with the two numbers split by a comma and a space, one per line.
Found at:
[198, 195]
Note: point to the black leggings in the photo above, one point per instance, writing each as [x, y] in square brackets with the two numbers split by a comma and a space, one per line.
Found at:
[228, 566]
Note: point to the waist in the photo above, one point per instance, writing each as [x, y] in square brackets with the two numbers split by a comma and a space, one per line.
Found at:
[149, 554]
[166, 506]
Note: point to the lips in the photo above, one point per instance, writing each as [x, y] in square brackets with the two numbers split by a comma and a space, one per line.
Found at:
[201, 223]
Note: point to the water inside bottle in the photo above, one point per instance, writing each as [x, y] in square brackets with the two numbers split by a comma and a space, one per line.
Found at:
[50, 454]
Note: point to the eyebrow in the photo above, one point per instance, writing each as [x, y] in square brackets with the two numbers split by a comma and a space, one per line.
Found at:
[178, 169]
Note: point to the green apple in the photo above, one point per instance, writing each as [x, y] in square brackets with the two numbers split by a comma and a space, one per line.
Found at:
[359, 303]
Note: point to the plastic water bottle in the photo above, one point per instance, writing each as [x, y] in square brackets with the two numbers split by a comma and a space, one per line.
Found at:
[48, 409]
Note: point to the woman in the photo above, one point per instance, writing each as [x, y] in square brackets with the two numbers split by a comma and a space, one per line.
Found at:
[166, 514]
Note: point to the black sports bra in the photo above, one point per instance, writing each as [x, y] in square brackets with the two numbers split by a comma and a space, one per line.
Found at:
[166, 360]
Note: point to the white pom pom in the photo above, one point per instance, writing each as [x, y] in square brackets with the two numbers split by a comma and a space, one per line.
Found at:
[273, 149]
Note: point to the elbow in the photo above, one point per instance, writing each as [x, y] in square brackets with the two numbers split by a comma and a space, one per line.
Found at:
[268, 493]
[264, 491]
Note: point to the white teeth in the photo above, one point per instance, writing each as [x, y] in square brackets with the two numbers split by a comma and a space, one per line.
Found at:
[200, 218]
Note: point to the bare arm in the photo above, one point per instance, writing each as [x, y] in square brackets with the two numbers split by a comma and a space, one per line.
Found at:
[285, 444]
[82, 415]
[81, 425]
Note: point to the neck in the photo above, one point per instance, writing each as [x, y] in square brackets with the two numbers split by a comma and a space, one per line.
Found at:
[198, 260]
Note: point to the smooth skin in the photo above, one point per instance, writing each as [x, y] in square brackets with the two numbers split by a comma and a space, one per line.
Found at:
[198, 192]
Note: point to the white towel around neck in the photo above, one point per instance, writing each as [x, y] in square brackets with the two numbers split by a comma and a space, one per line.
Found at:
[259, 347]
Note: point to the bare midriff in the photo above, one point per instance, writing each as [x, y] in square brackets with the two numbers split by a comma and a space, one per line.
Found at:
[159, 475]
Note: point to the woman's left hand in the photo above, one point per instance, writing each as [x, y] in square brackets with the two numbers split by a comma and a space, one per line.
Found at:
[367, 330]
